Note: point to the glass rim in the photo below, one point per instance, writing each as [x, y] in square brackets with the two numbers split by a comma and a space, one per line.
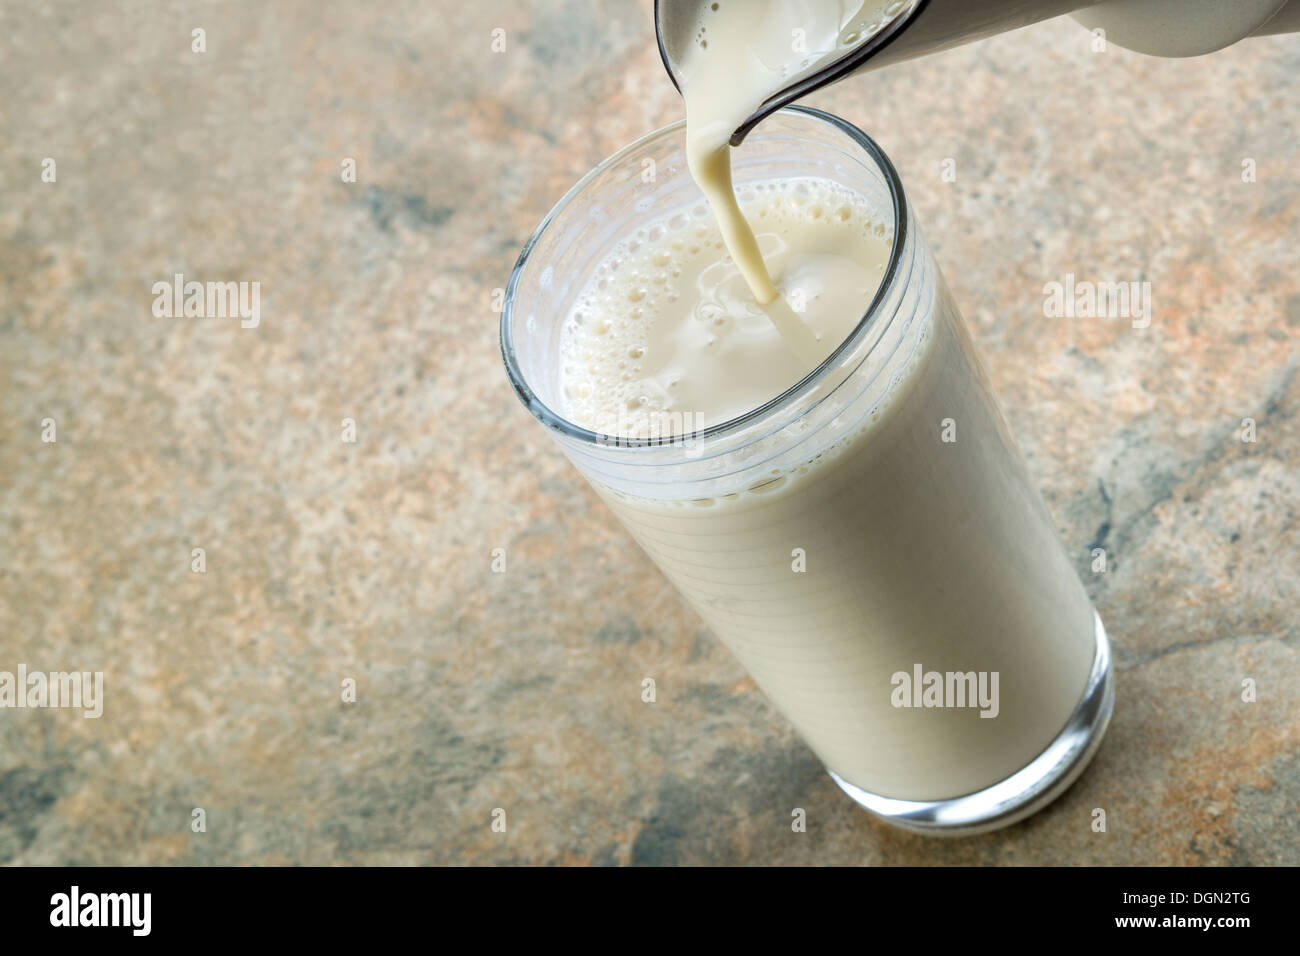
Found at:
[552, 419]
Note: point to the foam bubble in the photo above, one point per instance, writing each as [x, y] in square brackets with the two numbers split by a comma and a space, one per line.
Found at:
[669, 263]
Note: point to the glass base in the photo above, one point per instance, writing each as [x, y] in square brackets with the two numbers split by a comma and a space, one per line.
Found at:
[1028, 790]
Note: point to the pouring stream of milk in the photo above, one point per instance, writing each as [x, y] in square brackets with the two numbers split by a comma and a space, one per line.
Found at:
[741, 55]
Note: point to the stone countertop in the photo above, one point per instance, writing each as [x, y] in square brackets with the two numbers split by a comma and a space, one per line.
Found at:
[327, 560]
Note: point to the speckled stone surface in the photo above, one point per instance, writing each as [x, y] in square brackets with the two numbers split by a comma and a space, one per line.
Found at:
[370, 560]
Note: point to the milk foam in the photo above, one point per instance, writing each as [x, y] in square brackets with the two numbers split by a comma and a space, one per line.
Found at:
[665, 337]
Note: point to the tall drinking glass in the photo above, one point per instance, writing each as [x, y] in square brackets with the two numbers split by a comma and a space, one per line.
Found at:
[869, 543]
